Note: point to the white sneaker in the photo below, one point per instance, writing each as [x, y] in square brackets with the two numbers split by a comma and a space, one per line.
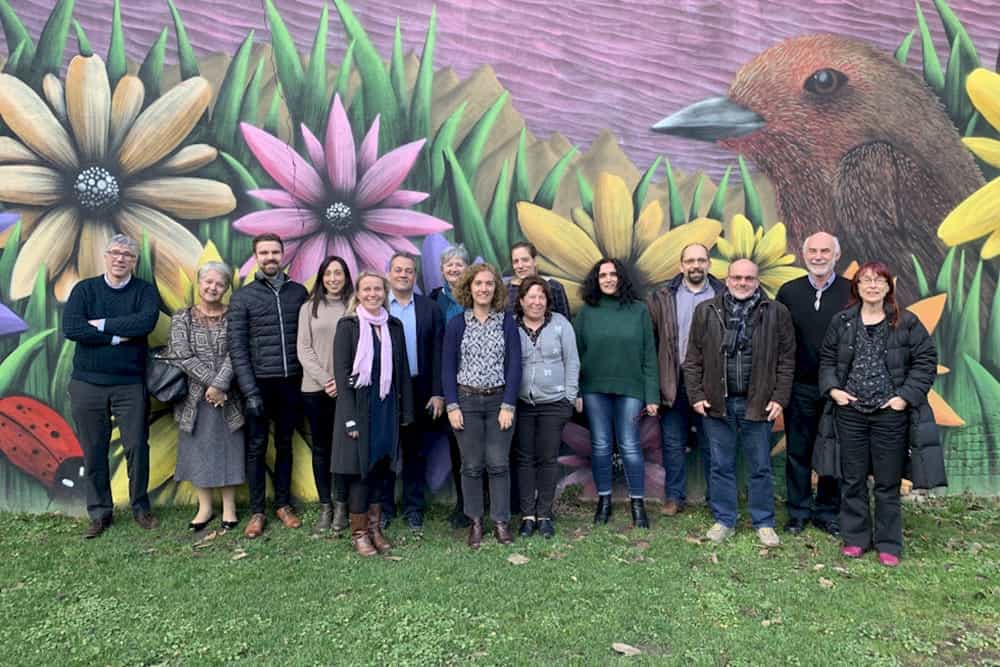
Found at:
[768, 537]
[717, 533]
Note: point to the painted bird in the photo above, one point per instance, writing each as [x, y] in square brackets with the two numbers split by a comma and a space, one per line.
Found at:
[855, 144]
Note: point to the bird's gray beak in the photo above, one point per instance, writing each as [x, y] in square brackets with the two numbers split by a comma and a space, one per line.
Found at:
[710, 120]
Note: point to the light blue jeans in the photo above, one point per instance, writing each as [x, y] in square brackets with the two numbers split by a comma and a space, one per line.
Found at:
[611, 417]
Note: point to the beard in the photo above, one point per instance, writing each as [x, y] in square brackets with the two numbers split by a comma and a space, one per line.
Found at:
[695, 277]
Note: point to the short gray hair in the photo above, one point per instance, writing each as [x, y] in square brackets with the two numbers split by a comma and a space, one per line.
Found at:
[456, 251]
[836, 242]
[219, 267]
[123, 240]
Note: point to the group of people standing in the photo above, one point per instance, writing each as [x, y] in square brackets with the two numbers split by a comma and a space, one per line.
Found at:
[375, 366]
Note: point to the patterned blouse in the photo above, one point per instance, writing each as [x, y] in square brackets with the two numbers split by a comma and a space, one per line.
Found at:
[869, 378]
[482, 358]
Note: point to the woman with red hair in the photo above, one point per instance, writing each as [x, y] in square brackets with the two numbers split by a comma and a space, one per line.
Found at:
[877, 365]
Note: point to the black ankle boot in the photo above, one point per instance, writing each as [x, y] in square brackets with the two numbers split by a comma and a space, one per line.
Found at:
[603, 512]
[639, 518]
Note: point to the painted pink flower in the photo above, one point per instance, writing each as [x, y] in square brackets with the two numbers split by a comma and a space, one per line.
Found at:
[578, 439]
[341, 201]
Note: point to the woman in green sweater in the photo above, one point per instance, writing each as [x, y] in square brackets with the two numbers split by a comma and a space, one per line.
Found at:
[618, 376]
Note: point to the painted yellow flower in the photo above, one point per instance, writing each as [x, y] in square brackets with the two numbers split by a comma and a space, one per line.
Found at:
[567, 250]
[979, 214]
[769, 251]
[87, 163]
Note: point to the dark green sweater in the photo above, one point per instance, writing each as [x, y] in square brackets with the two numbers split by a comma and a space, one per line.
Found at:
[617, 352]
[129, 312]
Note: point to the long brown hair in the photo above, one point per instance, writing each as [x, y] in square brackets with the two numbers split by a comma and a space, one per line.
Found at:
[463, 291]
[889, 302]
[320, 292]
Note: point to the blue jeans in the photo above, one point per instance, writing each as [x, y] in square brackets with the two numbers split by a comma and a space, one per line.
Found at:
[611, 417]
[675, 426]
[754, 436]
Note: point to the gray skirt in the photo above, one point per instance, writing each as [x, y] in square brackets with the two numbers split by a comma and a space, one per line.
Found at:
[212, 455]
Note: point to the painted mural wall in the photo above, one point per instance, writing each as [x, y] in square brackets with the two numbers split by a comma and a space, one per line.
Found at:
[368, 128]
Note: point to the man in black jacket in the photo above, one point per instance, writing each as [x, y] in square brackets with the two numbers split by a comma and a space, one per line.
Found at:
[108, 317]
[812, 301]
[263, 325]
[423, 329]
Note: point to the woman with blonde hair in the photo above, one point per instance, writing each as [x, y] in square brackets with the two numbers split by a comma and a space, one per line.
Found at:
[374, 398]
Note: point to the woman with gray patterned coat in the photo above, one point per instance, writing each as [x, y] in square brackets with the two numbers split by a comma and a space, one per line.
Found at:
[210, 451]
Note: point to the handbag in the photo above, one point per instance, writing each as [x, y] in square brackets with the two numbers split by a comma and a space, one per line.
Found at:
[165, 380]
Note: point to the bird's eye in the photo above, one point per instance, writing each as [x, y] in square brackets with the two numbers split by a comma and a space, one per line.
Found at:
[825, 81]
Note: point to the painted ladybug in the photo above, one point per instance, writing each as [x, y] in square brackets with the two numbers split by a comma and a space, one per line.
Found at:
[36, 439]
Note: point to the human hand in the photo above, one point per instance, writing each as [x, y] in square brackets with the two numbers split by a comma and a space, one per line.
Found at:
[841, 397]
[652, 409]
[578, 404]
[435, 406]
[505, 418]
[330, 387]
[896, 403]
[773, 410]
[254, 407]
[456, 420]
[353, 435]
[215, 396]
[701, 407]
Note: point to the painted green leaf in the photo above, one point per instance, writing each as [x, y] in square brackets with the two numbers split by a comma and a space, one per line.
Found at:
[923, 288]
[420, 101]
[751, 200]
[83, 44]
[991, 347]
[286, 56]
[185, 54]
[314, 102]
[519, 187]
[444, 140]
[116, 64]
[13, 64]
[968, 339]
[678, 216]
[376, 87]
[7, 258]
[958, 289]
[903, 50]
[586, 193]
[496, 218]
[469, 223]
[342, 84]
[15, 32]
[52, 42]
[932, 67]
[12, 368]
[249, 110]
[547, 191]
[273, 111]
[244, 180]
[955, 31]
[397, 71]
[970, 127]
[60, 378]
[943, 282]
[356, 116]
[151, 70]
[956, 100]
[642, 187]
[716, 210]
[226, 114]
[36, 377]
[696, 198]
[144, 269]
[470, 152]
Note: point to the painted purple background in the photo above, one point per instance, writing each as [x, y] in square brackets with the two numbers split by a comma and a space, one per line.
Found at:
[574, 67]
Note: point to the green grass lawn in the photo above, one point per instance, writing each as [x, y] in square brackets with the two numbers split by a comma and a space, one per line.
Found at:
[159, 598]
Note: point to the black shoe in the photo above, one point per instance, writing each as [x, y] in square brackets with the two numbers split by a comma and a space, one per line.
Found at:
[415, 521]
[603, 512]
[795, 525]
[831, 527]
[527, 528]
[546, 528]
[457, 519]
[96, 527]
[229, 525]
[639, 518]
[200, 526]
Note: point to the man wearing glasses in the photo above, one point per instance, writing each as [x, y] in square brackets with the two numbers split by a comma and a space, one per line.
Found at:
[738, 369]
[671, 308]
[812, 300]
[109, 316]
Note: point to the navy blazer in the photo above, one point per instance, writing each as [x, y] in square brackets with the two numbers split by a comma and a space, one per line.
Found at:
[453, 350]
[430, 338]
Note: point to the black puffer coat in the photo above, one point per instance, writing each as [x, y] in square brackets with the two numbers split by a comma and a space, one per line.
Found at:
[912, 363]
[263, 327]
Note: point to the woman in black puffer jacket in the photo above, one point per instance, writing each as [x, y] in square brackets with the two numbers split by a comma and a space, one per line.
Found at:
[877, 365]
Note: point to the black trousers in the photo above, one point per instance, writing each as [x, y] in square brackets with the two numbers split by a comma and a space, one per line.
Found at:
[875, 442]
[320, 408]
[365, 490]
[536, 447]
[282, 399]
[414, 442]
[801, 424]
[93, 407]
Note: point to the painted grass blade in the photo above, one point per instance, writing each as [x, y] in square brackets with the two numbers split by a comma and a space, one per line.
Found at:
[586, 193]
[226, 114]
[751, 200]
[955, 31]
[185, 54]
[444, 140]
[903, 50]
[923, 288]
[58, 398]
[36, 377]
[286, 56]
[549, 189]
[639, 194]
[678, 216]
[497, 226]
[716, 210]
[83, 44]
[696, 198]
[468, 219]
[932, 67]
[519, 187]
[116, 64]
[397, 71]
[13, 64]
[470, 152]
[244, 181]
[342, 84]
[7, 259]
[52, 42]
[273, 116]
[11, 369]
[956, 100]
[315, 103]
[151, 70]
[15, 32]
[420, 101]
[991, 349]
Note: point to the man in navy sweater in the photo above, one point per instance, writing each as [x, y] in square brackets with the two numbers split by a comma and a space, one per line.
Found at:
[812, 300]
[108, 317]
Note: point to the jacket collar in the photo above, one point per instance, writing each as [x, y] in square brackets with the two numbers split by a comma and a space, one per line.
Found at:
[713, 282]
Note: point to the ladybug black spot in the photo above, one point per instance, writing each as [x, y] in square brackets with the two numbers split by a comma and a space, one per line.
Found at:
[35, 451]
[54, 434]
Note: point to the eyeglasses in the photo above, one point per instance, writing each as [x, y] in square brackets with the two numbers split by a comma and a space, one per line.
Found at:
[120, 254]
[873, 281]
[743, 279]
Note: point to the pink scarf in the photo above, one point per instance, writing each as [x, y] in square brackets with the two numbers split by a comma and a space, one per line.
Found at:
[366, 345]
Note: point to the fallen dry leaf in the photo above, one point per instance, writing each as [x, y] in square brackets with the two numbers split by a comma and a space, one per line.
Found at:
[392, 558]
[825, 583]
[518, 559]
[239, 554]
[818, 566]
[625, 649]
[714, 558]
[840, 570]
[642, 545]
[693, 540]
[768, 622]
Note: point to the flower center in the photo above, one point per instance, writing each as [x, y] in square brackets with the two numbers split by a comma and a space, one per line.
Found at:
[96, 189]
[339, 215]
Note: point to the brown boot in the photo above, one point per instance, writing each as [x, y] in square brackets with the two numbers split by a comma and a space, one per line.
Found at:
[476, 533]
[340, 521]
[501, 531]
[325, 519]
[255, 526]
[359, 535]
[375, 528]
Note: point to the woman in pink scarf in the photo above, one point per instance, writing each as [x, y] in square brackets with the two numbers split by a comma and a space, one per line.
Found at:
[375, 397]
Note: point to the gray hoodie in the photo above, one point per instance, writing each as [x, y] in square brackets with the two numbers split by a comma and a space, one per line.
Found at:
[551, 364]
